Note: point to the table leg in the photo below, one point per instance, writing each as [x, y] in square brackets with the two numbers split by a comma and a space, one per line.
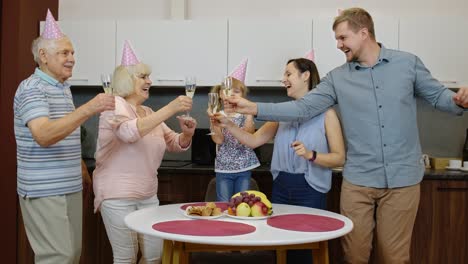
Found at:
[321, 255]
[167, 252]
[280, 256]
[179, 255]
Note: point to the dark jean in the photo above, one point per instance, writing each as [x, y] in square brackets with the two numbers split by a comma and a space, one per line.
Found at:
[292, 188]
[227, 184]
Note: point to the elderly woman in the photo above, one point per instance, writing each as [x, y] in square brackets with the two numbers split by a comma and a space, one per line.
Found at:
[131, 144]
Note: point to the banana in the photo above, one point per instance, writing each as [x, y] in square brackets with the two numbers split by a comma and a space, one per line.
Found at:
[262, 196]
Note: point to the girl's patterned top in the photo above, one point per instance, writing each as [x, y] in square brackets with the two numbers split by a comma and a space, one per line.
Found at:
[232, 156]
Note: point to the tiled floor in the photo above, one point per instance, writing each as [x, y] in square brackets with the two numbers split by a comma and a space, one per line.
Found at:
[251, 257]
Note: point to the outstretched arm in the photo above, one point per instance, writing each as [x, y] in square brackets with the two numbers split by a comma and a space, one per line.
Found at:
[262, 136]
[313, 103]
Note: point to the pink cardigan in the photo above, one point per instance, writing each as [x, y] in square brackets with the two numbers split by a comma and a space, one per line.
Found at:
[126, 163]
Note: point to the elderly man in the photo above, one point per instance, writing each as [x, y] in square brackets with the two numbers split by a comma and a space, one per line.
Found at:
[376, 92]
[48, 149]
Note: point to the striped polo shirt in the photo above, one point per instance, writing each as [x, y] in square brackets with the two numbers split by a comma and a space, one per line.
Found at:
[52, 170]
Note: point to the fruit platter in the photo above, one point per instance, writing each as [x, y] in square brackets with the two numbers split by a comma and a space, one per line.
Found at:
[207, 211]
[249, 205]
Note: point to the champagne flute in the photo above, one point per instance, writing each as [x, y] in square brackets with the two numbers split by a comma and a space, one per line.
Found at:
[227, 88]
[190, 86]
[213, 103]
[106, 83]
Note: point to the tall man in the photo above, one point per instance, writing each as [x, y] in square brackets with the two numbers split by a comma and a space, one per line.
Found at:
[47, 131]
[376, 92]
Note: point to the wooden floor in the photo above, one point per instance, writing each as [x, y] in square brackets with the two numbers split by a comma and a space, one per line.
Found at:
[250, 257]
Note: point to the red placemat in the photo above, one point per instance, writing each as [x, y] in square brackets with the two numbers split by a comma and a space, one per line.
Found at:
[204, 228]
[222, 205]
[305, 222]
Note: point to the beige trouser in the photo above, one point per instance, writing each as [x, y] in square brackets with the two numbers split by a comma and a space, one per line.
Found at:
[53, 227]
[395, 212]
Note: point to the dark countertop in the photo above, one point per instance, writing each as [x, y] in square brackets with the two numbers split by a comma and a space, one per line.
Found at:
[187, 167]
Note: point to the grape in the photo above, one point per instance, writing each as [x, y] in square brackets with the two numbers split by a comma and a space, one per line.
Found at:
[243, 194]
[257, 199]
[231, 204]
[251, 203]
[246, 200]
[232, 200]
[251, 196]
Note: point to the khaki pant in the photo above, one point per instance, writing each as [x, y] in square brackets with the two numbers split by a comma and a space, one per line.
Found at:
[53, 227]
[391, 212]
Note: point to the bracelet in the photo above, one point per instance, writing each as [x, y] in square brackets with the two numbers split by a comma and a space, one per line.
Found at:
[314, 156]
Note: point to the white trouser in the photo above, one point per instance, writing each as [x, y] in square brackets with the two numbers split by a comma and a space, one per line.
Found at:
[125, 241]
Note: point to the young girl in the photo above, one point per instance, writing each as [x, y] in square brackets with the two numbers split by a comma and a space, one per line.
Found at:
[234, 161]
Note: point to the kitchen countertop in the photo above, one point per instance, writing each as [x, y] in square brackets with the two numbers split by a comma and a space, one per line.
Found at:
[187, 167]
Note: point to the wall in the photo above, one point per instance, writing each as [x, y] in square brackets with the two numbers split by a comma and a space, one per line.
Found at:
[200, 9]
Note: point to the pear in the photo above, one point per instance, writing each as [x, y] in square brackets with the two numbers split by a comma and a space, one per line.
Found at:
[243, 209]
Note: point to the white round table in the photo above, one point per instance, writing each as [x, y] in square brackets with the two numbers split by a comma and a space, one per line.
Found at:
[265, 237]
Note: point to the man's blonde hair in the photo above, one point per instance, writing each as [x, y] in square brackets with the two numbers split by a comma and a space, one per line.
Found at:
[357, 19]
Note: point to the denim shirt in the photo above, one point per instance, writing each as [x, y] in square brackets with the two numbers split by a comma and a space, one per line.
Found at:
[378, 113]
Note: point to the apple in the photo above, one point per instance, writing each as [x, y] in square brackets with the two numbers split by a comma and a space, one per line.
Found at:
[259, 209]
[243, 209]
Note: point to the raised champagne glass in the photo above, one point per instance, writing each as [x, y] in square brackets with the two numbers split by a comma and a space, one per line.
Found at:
[190, 86]
[213, 103]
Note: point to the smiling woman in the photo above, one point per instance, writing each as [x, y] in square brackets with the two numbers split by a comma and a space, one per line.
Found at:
[129, 151]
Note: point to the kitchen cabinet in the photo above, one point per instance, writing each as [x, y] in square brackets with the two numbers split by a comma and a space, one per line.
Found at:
[268, 44]
[440, 233]
[328, 57]
[175, 49]
[94, 44]
[440, 42]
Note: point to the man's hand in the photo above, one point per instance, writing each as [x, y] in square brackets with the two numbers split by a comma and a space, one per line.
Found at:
[101, 102]
[461, 97]
[241, 105]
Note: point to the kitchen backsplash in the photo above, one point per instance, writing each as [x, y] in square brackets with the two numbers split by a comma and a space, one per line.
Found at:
[441, 134]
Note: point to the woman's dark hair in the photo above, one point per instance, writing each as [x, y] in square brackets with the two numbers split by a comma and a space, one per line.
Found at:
[303, 65]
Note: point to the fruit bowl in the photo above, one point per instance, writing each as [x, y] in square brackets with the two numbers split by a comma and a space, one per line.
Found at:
[249, 205]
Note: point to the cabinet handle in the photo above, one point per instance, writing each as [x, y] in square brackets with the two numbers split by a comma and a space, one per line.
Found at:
[452, 189]
[267, 80]
[169, 80]
[79, 79]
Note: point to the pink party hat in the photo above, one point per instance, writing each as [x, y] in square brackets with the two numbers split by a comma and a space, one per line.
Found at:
[128, 56]
[239, 71]
[51, 28]
[310, 55]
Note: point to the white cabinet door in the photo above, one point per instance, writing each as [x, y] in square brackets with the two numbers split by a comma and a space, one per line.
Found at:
[175, 49]
[268, 45]
[441, 43]
[94, 44]
[328, 57]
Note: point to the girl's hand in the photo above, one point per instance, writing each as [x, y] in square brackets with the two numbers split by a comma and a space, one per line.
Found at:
[221, 120]
[187, 125]
[301, 150]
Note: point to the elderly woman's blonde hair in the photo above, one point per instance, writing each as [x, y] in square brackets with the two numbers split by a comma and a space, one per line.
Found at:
[124, 78]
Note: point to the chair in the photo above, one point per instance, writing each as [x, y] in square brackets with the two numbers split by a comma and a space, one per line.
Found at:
[210, 194]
